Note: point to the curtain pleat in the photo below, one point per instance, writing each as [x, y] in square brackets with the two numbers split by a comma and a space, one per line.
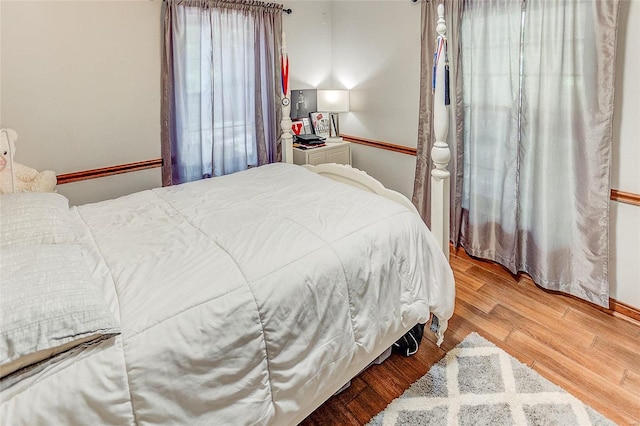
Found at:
[167, 104]
[422, 181]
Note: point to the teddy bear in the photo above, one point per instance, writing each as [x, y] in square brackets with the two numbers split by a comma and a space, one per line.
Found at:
[15, 177]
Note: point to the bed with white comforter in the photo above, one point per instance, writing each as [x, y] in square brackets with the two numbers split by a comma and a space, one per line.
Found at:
[244, 299]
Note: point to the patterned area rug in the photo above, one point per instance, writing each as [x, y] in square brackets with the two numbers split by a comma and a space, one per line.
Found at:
[477, 383]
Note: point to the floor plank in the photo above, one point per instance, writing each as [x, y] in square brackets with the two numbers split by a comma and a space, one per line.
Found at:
[484, 322]
[473, 298]
[357, 385]
[567, 342]
[613, 350]
[526, 302]
[332, 412]
[631, 382]
[613, 328]
[616, 415]
[590, 353]
[552, 332]
[590, 384]
[364, 406]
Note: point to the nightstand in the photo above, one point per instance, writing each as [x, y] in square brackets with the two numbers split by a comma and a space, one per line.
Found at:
[332, 152]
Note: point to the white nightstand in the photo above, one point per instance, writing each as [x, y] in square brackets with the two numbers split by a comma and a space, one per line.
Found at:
[338, 152]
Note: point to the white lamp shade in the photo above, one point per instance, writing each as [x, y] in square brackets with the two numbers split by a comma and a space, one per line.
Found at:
[333, 100]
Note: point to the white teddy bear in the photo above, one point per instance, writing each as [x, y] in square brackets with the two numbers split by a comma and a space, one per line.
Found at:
[15, 177]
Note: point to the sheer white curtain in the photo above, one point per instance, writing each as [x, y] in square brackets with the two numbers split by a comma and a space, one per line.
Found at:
[222, 105]
[490, 34]
[538, 93]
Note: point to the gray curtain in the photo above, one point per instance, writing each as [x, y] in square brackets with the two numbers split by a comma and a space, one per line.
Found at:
[220, 87]
[538, 96]
[422, 180]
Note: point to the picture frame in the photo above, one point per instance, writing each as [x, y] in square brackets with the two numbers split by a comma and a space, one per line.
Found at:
[334, 125]
[297, 127]
[303, 101]
[306, 122]
[321, 123]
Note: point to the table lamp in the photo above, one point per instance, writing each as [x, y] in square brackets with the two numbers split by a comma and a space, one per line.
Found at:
[333, 102]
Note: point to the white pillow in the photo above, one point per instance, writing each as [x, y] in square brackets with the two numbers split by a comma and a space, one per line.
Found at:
[48, 305]
[35, 218]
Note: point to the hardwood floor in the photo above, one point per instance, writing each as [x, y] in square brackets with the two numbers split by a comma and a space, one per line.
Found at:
[593, 355]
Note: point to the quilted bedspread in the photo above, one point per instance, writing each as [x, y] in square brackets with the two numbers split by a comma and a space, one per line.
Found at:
[244, 299]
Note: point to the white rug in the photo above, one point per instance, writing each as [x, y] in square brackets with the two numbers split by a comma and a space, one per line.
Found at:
[477, 383]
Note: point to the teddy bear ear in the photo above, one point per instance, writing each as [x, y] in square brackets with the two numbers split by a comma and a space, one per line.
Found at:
[13, 135]
[10, 136]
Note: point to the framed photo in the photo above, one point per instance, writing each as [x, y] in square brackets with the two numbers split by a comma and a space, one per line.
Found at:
[297, 127]
[303, 102]
[307, 130]
[334, 125]
[320, 122]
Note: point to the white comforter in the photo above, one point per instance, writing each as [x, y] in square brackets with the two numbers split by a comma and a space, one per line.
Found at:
[245, 299]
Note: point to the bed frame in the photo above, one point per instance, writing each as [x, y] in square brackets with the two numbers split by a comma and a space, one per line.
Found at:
[361, 180]
[440, 153]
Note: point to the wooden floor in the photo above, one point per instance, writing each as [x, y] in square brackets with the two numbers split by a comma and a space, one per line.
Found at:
[591, 354]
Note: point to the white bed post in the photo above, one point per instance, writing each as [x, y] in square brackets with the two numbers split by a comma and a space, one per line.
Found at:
[440, 153]
[285, 123]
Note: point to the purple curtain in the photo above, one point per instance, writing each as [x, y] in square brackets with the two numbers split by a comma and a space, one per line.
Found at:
[221, 86]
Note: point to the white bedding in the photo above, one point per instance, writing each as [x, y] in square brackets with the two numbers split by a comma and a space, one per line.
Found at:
[245, 299]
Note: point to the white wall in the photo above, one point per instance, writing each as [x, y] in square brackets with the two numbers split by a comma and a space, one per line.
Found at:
[308, 35]
[81, 85]
[376, 54]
